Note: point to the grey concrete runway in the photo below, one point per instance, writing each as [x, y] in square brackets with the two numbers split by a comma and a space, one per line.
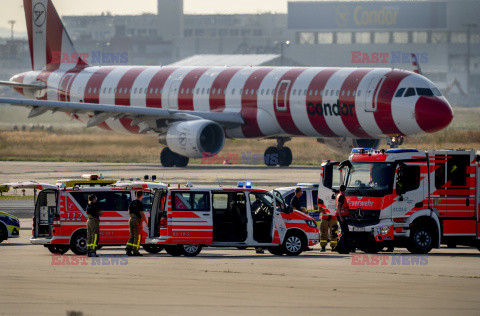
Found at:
[236, 282]
[225, 281]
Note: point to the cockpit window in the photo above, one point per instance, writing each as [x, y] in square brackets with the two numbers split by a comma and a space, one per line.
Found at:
[436, 92]
[424, 92]
[410, 92]
[399, 93]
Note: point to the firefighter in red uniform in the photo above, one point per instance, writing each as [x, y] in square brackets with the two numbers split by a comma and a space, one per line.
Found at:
[341, 208]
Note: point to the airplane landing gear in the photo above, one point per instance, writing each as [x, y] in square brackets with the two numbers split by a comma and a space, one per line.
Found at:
[278, 155]
[169, 159]
[394, 142]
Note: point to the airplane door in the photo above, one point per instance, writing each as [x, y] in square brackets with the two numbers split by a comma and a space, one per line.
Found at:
[281, 95]
[371, 94]
[173, 94]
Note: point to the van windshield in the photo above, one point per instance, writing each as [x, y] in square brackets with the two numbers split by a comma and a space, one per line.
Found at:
[370, 179]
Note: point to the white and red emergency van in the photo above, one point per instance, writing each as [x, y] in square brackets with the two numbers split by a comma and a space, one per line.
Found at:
[188, 218]
[407, 197]
[60, 220]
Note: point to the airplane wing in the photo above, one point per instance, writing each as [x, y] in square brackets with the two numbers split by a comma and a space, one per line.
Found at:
[33, 86]
[139, 114]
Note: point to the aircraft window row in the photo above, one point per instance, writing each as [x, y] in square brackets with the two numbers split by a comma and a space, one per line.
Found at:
[125, 90]
[408, 92]
[266, 92]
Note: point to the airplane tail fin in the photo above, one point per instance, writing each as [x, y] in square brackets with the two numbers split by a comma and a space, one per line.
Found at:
[47, 37]
[416, 65]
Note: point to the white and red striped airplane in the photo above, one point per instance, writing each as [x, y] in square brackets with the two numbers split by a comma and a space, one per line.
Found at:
[193, 109]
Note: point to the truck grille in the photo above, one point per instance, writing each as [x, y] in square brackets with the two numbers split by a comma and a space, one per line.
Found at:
[364, 217]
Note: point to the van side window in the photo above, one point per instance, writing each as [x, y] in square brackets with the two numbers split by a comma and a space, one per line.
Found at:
[108, 201]
[192, 201]
[457, 170]
[147, 201]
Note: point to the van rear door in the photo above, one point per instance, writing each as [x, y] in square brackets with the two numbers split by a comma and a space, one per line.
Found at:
[46, 206]
[158, 215]
[46, 211]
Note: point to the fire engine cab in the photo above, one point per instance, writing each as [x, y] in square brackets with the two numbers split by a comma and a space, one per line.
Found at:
[188, 218]
[407, 197]
[60, 220]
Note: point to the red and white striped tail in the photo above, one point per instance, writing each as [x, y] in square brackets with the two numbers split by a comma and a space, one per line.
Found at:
[416, 65]
[47, 37]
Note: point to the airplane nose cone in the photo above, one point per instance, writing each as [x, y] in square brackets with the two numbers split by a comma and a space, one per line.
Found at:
[433, 114]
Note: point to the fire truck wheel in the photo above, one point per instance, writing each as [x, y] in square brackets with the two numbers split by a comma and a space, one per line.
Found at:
[78, 243]
[277, 251]
[152, 248]
[293, 244]
[3, 233]
[58, 249]
[421, 239]
[191, 250]
[174, 250]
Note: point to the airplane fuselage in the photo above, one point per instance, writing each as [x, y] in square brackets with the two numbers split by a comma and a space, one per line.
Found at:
[359, 103]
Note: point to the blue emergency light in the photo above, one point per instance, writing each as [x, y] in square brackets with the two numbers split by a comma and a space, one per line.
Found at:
[360, 150]
[248, 185]
[240, 185]
[401, 150]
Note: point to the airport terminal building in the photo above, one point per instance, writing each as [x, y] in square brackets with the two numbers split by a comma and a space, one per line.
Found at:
[442, 33]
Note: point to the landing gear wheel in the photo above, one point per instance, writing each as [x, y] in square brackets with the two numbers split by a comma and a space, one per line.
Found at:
[78, 243]
[271, 156]
[293, 245]
[167, 158]
[174, 251]
[152, 248]
[181, 161]
[191, 250]
[421, 239]
[58, 249]
[277, 251]
[285, 157]
[3, 233]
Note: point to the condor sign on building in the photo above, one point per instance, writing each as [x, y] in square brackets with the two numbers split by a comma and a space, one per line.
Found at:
[443, 34]
[367, 15]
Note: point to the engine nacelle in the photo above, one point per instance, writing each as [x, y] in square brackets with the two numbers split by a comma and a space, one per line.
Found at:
[192, 138]
[344, 146]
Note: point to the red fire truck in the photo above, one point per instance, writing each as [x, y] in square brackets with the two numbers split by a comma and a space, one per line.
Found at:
[59, 221]
[407, 197]
[188, 218]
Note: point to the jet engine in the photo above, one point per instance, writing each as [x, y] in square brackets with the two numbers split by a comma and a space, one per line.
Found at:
[192, 138]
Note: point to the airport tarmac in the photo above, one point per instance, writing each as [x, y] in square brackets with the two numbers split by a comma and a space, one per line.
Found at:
[226, 175]
[221, 281]
[236, 282]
